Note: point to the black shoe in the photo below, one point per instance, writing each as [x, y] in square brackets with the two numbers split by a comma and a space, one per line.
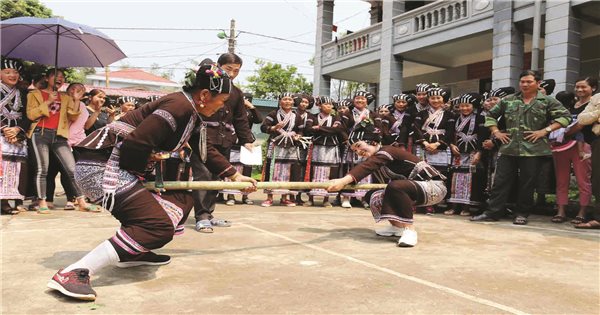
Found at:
[145, 259]
[482, 218]
[75, 283]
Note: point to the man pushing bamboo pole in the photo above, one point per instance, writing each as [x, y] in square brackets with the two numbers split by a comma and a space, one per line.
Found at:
[218, 185]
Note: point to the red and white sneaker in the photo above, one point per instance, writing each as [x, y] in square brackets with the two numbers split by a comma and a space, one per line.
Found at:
[74, 283]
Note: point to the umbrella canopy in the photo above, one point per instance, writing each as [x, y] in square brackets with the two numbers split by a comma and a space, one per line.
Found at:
[58, 42]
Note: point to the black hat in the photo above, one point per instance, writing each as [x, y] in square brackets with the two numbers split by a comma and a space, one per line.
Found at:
[286, 94]
[501, 92]
[368, 95]
[548, 85]
[410, 99]
[388, 106]
[364, 131]
[347, 103]
[439, 91]
[8, 63]
[298, 98]
[127, 99]
[470, 98]
[422, 87]
[323, 100]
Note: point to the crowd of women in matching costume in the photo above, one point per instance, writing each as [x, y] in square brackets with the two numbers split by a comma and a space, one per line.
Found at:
[429, 149]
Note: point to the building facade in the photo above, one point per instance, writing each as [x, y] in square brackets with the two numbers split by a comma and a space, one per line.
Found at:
[468, 45]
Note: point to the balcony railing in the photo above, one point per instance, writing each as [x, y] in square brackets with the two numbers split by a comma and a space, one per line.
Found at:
[440, 16]
[367, 39]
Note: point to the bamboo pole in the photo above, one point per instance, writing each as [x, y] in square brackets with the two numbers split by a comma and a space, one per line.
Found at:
[219, 185]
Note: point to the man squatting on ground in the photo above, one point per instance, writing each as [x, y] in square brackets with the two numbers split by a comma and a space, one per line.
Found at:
[115, 157]
[411, 182]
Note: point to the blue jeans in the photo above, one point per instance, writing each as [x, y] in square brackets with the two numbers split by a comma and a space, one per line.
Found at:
[43, 142]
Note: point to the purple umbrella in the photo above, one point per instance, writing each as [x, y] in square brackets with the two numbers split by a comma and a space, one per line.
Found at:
[55, 41]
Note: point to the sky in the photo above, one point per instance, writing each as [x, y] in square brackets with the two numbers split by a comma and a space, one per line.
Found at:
[179, 50]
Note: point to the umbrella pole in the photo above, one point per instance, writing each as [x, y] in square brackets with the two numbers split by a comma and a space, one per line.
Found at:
[56, 57]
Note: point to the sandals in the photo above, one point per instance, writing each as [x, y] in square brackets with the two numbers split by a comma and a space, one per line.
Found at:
[43, 210]
[588, 225]
[220, 223]
[449, 212]
[267, 203]
[69, 206]
[520, 220]
[578, 220]
[248, 201]
[9, 211]
[204, 226]
[559, 219]
[465, 213]
[90, 208]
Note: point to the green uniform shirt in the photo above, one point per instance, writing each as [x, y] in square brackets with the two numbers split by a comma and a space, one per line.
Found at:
[520, 117]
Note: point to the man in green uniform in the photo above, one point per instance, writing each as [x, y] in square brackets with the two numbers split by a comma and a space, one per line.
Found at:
[530, 117]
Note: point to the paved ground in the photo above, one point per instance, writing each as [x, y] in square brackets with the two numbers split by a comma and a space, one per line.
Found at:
[311, 261]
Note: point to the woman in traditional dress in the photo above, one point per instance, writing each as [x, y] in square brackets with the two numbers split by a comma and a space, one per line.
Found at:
[304, 103]
[402, 120]
[468, 176]
[410, 181]
[114, 158]
[359, 115]
[13, 145]
[327, 134]
[126, 104]
[434, 131]
[285, 131]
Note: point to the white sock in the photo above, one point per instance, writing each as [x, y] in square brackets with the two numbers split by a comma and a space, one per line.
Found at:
[100, 257]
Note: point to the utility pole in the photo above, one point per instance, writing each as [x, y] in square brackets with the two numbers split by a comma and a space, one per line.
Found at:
[232, 37]
[106, 74]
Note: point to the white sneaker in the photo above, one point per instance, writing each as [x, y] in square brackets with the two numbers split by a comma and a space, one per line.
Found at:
[390, 230]
[346, 204]
[230, 202]
[408, 239]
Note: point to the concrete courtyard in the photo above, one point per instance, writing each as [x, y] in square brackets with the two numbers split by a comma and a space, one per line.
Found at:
[311, 261]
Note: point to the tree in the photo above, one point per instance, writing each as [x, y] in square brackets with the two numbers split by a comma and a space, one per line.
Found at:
[272, 79]
[155, 69]
[346, 89]
[16, 8]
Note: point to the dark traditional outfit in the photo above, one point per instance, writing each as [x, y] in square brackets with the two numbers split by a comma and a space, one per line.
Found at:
[13, 156]
[411, 182]
[435, 126]
[114, 158]
[326, 158]
[468, 180]
[283, 156]
[401, 124]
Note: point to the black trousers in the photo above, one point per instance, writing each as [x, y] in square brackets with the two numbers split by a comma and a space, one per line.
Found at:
[526, 170]
[205, 200]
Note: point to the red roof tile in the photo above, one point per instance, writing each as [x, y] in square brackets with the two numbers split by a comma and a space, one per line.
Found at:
[135, 74]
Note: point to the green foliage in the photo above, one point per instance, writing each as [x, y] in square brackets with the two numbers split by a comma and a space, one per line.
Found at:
[346, 89]
[17, 8]
[156, 70]
[272, 79]
[78, 74]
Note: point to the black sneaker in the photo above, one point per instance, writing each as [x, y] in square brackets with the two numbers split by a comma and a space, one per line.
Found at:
[74, 283]
[145, 259]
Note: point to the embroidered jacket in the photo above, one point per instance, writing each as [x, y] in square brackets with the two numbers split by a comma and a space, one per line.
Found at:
[392, 163]
[470, 133]
[331, 131]
[162, 125]
[284, 136]
[434, 127]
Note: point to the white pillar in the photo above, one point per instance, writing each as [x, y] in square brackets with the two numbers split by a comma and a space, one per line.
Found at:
[322, 84]
[390, 77]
